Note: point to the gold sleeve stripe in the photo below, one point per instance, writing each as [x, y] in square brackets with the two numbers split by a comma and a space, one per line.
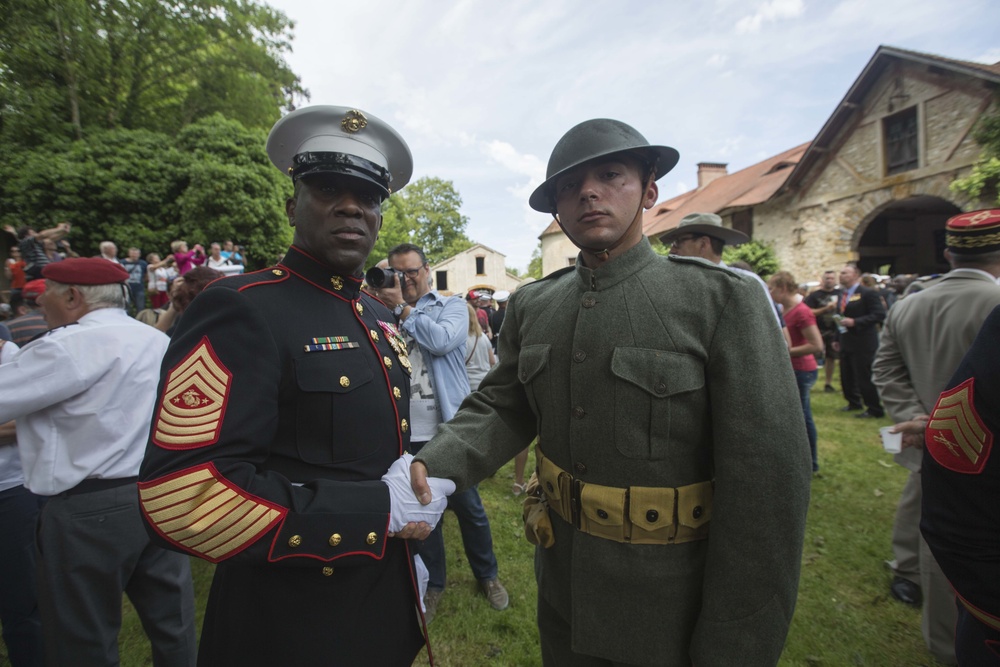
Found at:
[954, 413]
[981, 616]
[200, 511]
[193, 404]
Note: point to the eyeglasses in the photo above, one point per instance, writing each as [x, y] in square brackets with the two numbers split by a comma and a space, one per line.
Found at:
[410, 273]
[681, 239]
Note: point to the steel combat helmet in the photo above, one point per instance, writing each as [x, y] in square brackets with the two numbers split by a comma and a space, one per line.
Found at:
[594, 139]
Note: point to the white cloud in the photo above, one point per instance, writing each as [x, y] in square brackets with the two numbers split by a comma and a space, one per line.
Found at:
[717, 60]
[988, 57]
[771, 11]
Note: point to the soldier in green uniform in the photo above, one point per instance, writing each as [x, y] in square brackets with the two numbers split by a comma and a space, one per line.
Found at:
[673, 480]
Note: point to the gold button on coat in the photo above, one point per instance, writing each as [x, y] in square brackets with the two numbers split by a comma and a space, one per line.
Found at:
[387, 361]
[396, 392]
[374, 334]
[372, 537]
[294, 540]
[345, 381]
[335, 539]
[359, 308]
[327, 571]
[405, 425]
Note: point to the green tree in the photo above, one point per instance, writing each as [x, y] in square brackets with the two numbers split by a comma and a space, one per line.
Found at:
[984, 181]
[425, 212]
[69, 67]
[760, 257]
[535, 263]
[136, 187]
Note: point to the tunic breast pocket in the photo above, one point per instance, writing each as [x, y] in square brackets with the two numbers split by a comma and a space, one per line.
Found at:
[532, 363]
[649, 386]
[332, 407]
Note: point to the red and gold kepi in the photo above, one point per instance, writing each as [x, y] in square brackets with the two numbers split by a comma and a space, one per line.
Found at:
[956, 436]
[974, 233]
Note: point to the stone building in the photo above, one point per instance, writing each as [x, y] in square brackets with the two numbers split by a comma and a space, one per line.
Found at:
[872, 187]
[479, 267]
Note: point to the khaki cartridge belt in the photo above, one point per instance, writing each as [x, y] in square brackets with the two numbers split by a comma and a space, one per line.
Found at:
[636, 514]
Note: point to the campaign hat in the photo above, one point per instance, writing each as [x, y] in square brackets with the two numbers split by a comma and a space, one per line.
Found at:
[706, 224]
[85, 271]
[593, 139]
[973, 233]
[327, 139]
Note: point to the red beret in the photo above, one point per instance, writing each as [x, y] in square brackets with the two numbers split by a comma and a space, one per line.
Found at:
[33, 289]
[85, 271]
[974, 233]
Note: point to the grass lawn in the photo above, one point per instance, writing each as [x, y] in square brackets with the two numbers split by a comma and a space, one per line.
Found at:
[844, 616]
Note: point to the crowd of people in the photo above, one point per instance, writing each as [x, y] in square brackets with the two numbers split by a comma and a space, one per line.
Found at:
[309, 431]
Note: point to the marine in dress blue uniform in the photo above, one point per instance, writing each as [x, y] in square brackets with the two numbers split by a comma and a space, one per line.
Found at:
[961, 474]
[283, 398]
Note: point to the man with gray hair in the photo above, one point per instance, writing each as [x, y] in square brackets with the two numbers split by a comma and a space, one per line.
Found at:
[82, 394]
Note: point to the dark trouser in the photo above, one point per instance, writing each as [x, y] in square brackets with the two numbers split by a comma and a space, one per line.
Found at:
[476, 537]
[856, 379]
[90, 548]
[556, 642]
[138, 292]
[22, 625]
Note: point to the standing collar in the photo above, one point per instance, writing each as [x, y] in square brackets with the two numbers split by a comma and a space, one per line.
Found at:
[617, 270]
[313, 271]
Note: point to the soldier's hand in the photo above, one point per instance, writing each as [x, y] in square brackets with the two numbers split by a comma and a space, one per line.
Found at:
[913, 431]
[415, 530]
[403, 507]
[418, 480]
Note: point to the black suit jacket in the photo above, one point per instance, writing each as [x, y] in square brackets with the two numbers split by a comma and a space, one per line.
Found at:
[867, 310]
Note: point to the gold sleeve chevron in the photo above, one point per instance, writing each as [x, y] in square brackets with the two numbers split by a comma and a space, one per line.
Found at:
[194, 401]
[201, 512]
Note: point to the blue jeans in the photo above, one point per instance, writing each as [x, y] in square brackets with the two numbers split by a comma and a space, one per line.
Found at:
[805, 380]
[476, 537]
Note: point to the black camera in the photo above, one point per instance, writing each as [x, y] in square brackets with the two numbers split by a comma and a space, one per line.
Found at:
[378, 277]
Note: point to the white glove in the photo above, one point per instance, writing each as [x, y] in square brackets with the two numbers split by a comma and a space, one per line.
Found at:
[404, 507]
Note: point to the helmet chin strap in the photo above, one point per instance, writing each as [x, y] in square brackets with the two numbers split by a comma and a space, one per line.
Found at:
[605, 254]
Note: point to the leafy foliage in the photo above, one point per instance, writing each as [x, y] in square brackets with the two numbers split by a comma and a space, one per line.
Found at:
[426, 213]
[136, 187]
[760, 257]
[535, 263]
[71, 67]
[984, 180]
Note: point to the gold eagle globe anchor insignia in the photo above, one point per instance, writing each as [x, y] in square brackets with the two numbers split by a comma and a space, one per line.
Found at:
[354, 121]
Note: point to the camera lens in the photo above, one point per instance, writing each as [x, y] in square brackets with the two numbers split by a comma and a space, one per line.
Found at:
[379, 277]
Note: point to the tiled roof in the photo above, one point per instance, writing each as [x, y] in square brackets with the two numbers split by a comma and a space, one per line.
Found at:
[747, 187]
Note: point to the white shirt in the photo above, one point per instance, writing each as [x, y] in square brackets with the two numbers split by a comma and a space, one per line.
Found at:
[83, 396]
[10, 461]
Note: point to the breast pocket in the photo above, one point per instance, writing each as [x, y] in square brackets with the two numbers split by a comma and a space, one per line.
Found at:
[649, 385]
[331, 402]
[532, 371]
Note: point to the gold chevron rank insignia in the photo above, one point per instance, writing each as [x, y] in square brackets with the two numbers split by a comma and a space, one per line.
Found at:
[956, 436]
[194, 401]
[202, 512]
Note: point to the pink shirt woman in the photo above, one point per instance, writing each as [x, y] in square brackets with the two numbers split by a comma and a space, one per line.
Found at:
[184, 259]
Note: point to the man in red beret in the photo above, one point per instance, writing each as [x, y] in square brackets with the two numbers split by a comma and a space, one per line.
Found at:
[82, 394]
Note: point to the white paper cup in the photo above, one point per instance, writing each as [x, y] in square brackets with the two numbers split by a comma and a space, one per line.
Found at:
[891, 442]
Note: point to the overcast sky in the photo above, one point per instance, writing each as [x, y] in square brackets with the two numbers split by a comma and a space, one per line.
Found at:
[482, 91]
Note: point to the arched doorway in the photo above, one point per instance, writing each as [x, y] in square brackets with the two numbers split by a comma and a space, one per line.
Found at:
[906, 236]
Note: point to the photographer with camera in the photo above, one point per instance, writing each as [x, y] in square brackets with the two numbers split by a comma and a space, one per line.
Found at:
[434, 328]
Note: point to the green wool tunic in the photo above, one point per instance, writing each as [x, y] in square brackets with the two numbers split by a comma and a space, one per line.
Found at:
[657, 372]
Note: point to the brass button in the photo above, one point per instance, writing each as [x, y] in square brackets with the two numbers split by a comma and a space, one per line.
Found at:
[396, 392]
[580, 468]
[372, 538]
[589, 302]
[387, 361]
[374, 334]
[277, 272]
[652, 516]
[696, 512]
[602, 514]
[579, 412]
[335, 539]
[327, 571]
[661, 388]
[359, 308]
[404, 425]
[337, 283]
[345, 381]
[294, 541]
[579, 356]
